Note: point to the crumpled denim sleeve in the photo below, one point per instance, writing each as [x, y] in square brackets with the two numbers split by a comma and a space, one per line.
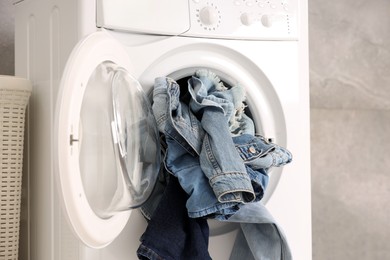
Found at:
[174, 121]
[219, 159]
[260, 154]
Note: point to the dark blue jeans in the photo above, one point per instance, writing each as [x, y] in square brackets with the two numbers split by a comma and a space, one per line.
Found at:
[171, 234]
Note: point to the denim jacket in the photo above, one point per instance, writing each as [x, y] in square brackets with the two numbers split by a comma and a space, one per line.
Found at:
[219, 159]
[217, 174]
[184, 135]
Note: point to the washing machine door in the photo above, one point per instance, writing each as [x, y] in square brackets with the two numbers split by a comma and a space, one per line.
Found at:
[107, 143]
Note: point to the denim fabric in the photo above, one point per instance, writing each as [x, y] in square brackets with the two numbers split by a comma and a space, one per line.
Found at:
[241, 124]
[260, 154]
[221, 163]
[233, 171]
[150, 205]
[219, 160]
[196, 149]
[214, 89]
[259, 237]
[185, 135]
[174, 118]
[221, 111]
[171, 234]
[201, 201]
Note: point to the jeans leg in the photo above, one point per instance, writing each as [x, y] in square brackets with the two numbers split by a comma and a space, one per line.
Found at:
[262, 235]
[241, 249]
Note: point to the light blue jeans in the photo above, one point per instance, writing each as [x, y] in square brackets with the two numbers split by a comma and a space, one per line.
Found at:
[259, 237]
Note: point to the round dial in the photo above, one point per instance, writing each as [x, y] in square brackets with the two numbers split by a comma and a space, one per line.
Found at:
[209, 16]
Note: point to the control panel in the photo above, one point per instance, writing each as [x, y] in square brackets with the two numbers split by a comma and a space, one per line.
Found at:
[244, 19]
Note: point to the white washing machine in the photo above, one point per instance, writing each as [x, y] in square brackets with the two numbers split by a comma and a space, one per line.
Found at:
[63, 46]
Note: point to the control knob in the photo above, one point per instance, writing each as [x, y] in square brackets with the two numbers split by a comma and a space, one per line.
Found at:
[209, 16]
[247, 19]
[267, 20]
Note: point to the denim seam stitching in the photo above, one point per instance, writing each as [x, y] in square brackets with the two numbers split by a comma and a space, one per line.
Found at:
[245, 175]
[211, 157]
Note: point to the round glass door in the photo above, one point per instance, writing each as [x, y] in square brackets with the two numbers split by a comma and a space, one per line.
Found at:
[106, 142]
[118, 142]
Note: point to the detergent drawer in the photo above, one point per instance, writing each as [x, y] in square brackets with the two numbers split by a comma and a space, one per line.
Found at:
[169, 17]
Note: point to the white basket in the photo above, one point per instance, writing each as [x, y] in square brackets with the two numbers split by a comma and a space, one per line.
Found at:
[14, 94]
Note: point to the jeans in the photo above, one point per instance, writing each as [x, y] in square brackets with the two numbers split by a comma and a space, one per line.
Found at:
[259, 237]
[171, 234]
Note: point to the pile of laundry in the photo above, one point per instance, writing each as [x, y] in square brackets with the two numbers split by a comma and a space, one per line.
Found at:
[215, 167]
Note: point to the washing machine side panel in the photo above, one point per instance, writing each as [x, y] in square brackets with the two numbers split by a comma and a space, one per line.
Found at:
[45, 34]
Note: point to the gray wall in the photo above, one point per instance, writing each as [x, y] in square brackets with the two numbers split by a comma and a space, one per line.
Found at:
[350, 128]
[350, 124]
[6, 38]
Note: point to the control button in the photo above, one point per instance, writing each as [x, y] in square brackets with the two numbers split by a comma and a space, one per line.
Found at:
[247, 19]
[208, 15]
[266, 20]
[273, 6]
[237, 2]
[286, 6]
[261, 5]
[196, 1]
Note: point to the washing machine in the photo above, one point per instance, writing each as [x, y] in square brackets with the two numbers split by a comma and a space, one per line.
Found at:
[75, 195]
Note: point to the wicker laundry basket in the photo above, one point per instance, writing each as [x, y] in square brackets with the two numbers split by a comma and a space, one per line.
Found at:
[14, 95]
